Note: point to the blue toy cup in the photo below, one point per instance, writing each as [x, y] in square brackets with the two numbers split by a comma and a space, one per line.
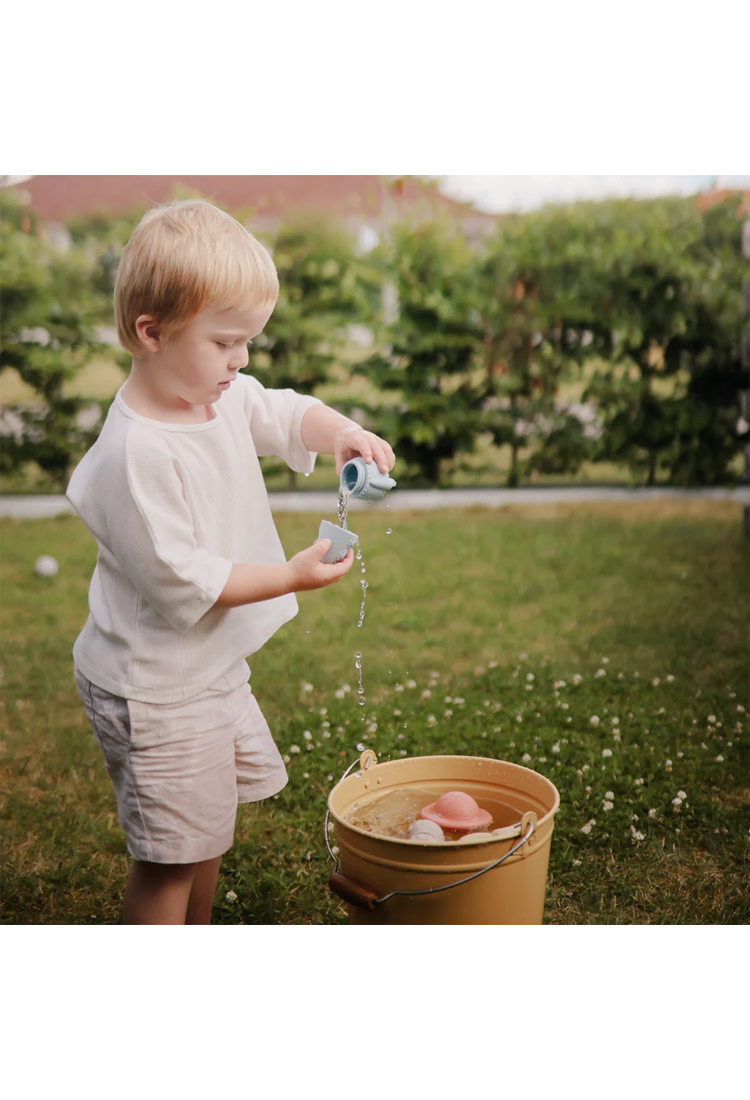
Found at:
[364, 480]
[341, 541]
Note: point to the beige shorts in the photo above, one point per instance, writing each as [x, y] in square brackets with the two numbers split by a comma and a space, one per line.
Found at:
[180, 769]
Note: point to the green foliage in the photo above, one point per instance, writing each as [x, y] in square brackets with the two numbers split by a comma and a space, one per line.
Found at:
[49, 308]
[428, 350]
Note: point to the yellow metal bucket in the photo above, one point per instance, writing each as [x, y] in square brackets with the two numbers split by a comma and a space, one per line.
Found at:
[387, 880]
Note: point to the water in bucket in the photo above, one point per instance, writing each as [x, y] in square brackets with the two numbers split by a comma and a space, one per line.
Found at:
[391, 814]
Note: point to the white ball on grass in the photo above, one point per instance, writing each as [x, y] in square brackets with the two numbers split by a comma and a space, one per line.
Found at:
[45, 566]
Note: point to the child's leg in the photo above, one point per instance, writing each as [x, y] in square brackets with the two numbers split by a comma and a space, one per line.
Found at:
[157, 893]
[203, 890]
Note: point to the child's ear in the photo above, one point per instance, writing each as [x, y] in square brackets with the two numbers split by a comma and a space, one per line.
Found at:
[148, 332]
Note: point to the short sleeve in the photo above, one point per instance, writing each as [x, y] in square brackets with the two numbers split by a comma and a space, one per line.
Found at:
[275, 419]
[150, 532]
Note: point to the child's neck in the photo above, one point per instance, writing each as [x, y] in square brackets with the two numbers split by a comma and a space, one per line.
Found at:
[142, 400]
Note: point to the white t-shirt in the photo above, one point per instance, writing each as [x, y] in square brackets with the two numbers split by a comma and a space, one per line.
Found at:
[172, 507]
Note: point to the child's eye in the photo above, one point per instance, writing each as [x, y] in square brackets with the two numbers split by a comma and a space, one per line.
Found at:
[223, 345]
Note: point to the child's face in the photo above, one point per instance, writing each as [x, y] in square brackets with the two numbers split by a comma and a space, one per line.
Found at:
[200, 363]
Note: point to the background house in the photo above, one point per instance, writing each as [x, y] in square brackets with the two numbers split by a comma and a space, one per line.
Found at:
[365, 205]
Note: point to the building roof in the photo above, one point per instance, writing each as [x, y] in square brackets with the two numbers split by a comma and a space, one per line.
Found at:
[369, 198]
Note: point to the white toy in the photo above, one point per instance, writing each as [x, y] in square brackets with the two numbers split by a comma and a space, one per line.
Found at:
[45, 566]
[425, 832]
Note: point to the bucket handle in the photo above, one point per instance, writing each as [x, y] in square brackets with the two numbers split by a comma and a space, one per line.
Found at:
[356, 893]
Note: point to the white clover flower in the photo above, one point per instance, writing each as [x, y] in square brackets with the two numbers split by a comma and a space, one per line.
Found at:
[346, 688]
[620, 675]
[670, 678]
[652, 813]
[607, 805]
[577, 678]
[478, 671]
[448, 714]
[637, 782]
[599, 672]
[339, 693]
[335, 849]
[525, 758]
[327, 733]
[286, 758]
[397, 713]
[530, 676]
[492, 664]
[681, 794]
[636, 834]
[307, 735]
[594, 719]
[656, 681]
[576, 863]
[431, 721]
[399, 687]
[323, 711]
[636, 674]
[559, 684]
[524, 656]
[325, 725]
[667, 763]
[402, 752]
[719, 759]
[606, 753]
[609, 794]
[294, 748]
[615, 721]
[712, 718]
[411, 684]
[519, 718]
[556, 747]
[542, 759]
[676, 801]
[305, 775]
[458, 701]
[579, 773]
[448, 699]
[585, 768]
[565, 706]
[231, 896]
[588, 826]
[425, 694]
[486, 703]
[307, 687]
[740, 709]
[605, 660]
[529, 687]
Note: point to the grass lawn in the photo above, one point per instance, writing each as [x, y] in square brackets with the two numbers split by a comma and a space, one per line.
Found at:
[500, 633]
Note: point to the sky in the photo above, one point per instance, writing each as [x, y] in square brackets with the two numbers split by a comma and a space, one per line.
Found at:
[499, 194]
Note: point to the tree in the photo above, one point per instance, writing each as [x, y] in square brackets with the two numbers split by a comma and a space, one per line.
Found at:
[49, 309]
[427, 351]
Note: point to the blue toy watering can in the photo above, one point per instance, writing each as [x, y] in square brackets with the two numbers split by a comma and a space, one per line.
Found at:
[364, 480]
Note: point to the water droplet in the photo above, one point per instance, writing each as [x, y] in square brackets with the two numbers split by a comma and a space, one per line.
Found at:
[363, 570]
[362, 702]
[358, 655]
[388, 530]
[360, 747]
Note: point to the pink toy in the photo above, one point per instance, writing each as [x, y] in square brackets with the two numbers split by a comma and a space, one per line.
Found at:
[456, 811]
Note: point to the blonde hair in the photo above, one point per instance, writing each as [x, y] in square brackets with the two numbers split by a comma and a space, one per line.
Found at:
[185, 256]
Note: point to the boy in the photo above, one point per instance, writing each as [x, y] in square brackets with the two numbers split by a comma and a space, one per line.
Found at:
[190, 575]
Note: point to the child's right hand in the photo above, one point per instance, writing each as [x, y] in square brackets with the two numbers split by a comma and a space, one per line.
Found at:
[308, 571]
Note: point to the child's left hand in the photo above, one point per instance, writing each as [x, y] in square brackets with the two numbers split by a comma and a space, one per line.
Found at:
[350, 442]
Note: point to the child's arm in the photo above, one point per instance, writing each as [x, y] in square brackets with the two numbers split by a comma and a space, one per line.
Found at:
[327, 432]
[305, 571]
